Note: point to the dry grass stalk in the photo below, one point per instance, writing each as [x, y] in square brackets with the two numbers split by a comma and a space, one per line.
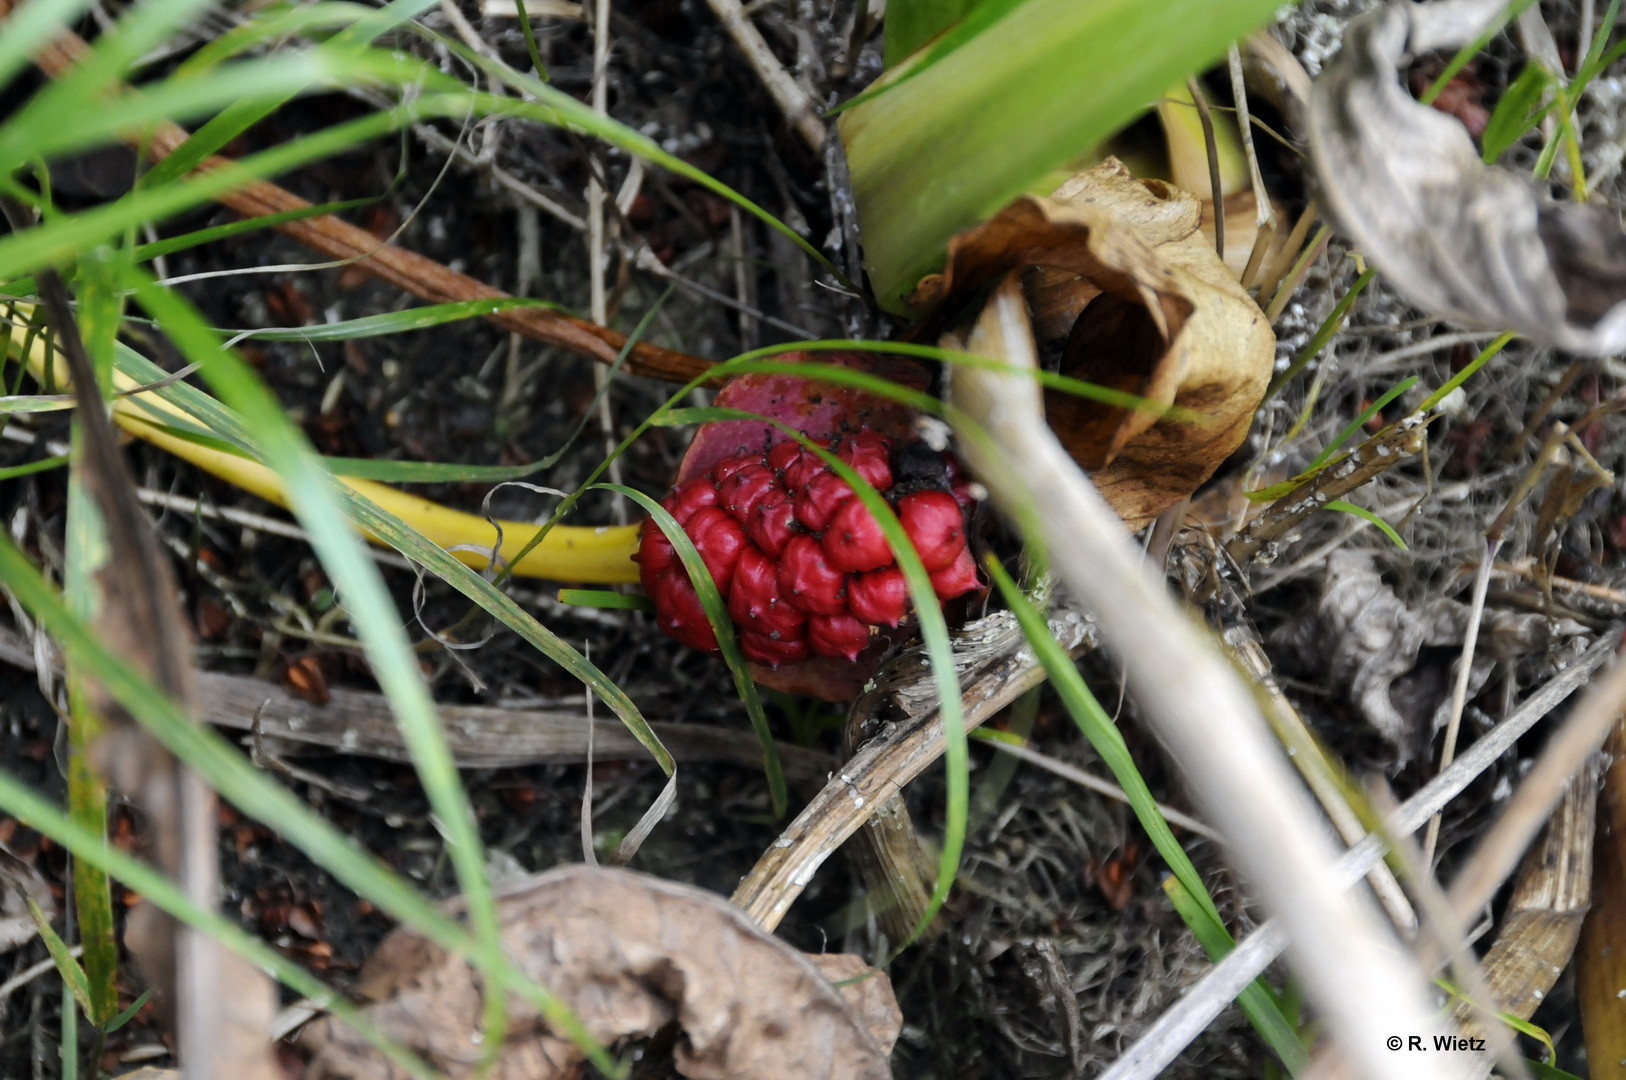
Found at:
[1350, 963]
[861, 788]
[1174, 1030]
[1561, 761]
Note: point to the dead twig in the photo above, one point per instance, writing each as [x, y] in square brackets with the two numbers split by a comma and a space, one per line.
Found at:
[1259, 541]
[787, 93]
[479, 736]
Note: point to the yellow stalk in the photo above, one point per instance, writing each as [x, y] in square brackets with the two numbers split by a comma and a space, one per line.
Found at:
[591, 555]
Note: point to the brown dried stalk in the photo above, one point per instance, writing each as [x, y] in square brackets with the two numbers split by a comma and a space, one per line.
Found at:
[861, 788]
[1258, 542]
[421, 276]
[479, 736]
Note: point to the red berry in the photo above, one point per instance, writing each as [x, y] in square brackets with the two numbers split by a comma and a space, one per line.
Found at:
[818, 504]
[880, 597]
[719, 539]
[854, 541]
[958, 578]
[837, 635]
[772, 523]
[772, 651]
[690, 496]
[754, 599]
[933, 521]
[729, 466]
[655, 553]
[800, 472]
[679, 613]
[871, 457]
[745, 488]
[808, 580]
[784, 455]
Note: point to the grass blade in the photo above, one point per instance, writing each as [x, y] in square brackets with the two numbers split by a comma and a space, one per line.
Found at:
[1201, 914]
[255, 794]
[1036, 89]
[73, 976]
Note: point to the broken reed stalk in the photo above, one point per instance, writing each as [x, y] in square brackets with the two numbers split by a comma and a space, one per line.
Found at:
[1350, 963]
[1542, 922]
[861, 788]
[417, 274]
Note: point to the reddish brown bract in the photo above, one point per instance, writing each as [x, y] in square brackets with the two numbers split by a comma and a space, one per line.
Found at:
[802, 565]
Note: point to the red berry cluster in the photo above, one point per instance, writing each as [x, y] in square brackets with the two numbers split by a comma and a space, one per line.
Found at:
[802, 564]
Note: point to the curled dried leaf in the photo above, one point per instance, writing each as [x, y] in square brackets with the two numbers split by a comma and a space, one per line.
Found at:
[629, 954]
[1119, 273]
[1478, 245]
[1371, 646]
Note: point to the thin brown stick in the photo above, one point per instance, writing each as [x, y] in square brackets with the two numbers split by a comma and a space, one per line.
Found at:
[421, 276]
[1260, 540]
[479, 736]
[799, 109]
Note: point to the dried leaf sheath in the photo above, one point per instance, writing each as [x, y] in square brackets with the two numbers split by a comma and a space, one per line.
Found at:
[221, 1007]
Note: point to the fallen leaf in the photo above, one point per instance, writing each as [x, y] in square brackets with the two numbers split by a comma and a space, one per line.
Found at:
[1119, 273]
[1476, 244]
[629, 953]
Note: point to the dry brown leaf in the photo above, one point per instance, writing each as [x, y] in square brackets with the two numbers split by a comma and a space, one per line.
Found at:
[629, 953]
[1479, 245]
[1121, 270]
